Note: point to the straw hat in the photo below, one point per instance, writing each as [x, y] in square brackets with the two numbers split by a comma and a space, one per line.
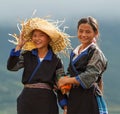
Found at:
[59, 39]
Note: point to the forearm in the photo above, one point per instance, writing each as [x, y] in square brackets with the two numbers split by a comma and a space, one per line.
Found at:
[67, 80]
[72, 80]
[15, 61]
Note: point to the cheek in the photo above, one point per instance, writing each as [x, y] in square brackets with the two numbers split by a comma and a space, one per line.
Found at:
[78, 34]
[32, 39]
[47, 39]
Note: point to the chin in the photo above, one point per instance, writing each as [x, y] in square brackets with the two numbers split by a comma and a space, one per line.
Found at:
[38, 46]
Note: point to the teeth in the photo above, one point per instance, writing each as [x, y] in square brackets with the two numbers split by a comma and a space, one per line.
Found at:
[38, 42]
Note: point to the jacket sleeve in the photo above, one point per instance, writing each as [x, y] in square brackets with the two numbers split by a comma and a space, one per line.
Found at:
[15, 61]
[62, 99]
[96, 66]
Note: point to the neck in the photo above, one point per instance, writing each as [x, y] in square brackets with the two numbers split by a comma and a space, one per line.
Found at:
[83, 46]
[42, 52]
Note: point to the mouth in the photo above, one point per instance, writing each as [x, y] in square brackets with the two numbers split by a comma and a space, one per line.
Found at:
[84, 39]
[37, 42]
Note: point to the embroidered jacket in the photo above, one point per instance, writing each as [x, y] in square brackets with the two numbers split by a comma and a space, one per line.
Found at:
[88, 67]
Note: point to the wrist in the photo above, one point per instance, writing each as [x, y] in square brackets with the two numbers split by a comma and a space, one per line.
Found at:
[20, 46]
[74, 81]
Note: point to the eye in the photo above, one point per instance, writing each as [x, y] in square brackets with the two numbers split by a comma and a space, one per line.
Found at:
[34, 35]
[87, 31]
[41, 35]
[80, 31]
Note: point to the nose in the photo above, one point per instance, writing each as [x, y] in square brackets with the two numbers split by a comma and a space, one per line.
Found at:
[83, 34]
[37, 38]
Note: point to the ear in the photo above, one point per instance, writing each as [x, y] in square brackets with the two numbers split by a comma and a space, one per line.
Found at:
[96, 34]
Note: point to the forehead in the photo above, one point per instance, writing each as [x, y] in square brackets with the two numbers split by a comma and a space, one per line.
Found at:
[85, 26]
[38, 31]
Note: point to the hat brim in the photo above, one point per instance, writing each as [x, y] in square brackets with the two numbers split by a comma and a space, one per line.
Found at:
[59, 39]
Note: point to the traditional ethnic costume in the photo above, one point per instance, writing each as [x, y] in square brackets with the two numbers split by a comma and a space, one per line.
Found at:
[39, 75]
[87, 67]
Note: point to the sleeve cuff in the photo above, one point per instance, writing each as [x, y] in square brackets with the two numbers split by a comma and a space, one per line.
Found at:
[13, 53]
[63, 103]
[80, 81]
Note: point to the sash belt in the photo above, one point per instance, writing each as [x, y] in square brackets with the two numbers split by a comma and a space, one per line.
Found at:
[38, 85]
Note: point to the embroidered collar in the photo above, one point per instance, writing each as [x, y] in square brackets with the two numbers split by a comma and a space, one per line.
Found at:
[75, 51]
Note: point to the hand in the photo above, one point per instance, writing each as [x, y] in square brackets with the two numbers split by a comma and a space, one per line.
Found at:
[65, 110]
[65, 88]
[21, 41]
[63, 81]
[66, 80]
[64, 85]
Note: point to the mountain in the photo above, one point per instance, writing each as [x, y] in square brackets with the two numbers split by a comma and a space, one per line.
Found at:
[10, 82]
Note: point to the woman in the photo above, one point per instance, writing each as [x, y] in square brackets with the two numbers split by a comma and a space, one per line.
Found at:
[87, 64]
[36, 50]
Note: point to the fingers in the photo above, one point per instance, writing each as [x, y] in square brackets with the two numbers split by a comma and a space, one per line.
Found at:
[66, 88]
[63, 81]
[22, 40]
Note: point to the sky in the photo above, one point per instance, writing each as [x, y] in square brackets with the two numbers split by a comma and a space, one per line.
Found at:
[13, 10]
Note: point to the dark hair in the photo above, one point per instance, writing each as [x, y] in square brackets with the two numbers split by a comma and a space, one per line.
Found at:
[94, 24]
[91, 21]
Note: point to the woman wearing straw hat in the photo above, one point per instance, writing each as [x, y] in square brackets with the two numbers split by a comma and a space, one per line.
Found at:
[87, 64]
[39, 41]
